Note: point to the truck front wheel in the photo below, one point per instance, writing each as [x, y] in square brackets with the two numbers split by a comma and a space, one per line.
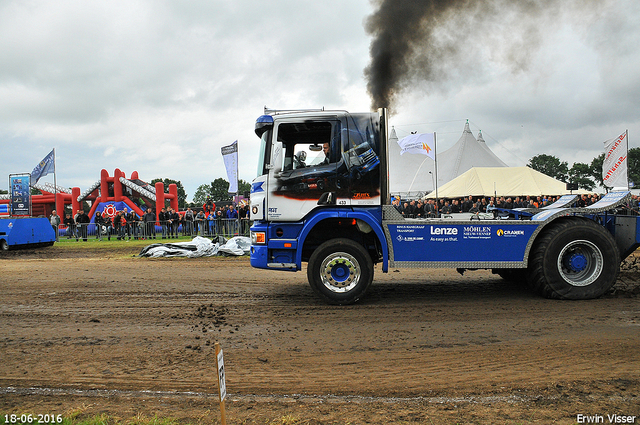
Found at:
[340, 271]
[574, 260]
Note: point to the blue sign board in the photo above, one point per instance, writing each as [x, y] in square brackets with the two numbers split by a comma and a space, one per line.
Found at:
[460, 242]
[20, 195]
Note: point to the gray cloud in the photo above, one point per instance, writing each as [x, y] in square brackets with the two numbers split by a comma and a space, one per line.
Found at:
[160, 86]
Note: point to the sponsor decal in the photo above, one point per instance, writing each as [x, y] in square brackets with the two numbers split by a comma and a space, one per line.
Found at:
[449, 234]
[257, 187]
[510, 233]
[361, 196]
[401, 238]
[443, 230]
[476, 232]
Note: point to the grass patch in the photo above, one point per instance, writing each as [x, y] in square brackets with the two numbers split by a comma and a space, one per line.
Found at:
[114, 243]
[112, 249]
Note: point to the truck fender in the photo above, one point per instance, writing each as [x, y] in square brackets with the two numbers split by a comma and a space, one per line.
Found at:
[335, 213]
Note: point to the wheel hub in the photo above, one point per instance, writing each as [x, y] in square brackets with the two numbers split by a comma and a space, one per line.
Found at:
[340, 272]
[578, 262]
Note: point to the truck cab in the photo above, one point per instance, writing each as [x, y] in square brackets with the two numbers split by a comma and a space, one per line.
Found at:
[319, 176]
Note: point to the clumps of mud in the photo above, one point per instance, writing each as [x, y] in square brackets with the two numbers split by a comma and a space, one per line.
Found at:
[210, 319]
[631, 264]
[628, 283]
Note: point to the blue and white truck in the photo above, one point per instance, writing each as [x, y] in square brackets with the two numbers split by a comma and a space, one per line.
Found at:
[322, 197]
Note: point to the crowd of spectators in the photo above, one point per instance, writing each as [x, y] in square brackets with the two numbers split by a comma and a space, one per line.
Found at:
[210, 220]
[428, 208]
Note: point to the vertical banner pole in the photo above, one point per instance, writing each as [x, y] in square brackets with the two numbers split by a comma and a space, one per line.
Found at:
[627, 137]
[435, 156]
[222, 387]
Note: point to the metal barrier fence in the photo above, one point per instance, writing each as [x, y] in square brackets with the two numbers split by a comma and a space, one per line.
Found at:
[158, 230]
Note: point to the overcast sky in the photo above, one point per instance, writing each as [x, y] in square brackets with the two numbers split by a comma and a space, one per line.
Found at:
[159, 87]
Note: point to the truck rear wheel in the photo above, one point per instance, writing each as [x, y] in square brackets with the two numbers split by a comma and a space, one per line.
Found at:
[4, 246]
[575, 259]
[340, 271]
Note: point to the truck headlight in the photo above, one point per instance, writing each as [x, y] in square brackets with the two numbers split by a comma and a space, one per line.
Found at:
[258, 238]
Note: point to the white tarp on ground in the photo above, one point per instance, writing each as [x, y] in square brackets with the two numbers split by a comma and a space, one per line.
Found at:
[198, 247]
[502, 181]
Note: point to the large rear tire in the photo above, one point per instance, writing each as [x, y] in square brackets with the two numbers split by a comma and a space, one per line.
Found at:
[340, 271]
[575, 259]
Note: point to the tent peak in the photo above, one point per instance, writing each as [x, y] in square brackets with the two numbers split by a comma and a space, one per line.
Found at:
[466, 128]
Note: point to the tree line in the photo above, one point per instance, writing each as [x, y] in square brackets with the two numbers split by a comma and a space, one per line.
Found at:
[217, 190]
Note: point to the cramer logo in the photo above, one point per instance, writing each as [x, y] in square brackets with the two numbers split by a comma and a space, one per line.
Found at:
[510, 233]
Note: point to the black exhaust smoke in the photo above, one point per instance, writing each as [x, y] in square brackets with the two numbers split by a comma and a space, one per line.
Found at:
[431, 41]
[398, 26]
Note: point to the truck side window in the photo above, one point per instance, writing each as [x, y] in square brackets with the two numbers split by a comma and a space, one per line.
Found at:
[303, 143]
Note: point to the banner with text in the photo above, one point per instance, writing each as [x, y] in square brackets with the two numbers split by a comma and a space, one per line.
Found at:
[230, 157]
[418, 143]
[20, 195]
[614, 167]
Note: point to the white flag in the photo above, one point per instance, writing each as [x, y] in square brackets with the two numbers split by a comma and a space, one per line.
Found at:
[614, 167]
[230, 157]
[418, 143]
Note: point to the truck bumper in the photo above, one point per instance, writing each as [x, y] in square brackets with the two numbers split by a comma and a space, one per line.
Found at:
[259, 256]
[274, 253]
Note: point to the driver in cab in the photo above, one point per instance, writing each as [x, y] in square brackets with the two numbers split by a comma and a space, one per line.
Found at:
[327, 153]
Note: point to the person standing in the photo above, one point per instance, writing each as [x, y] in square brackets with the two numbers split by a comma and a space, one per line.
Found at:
[198, 222]
[162, 217]
[150, 223]
[99, 221]
[169, 217]
[68, 221]
[117, 224]
[175, 222]
[132, 221]
[83, 224]
[243, 216]
[54, 219]
[188, 222]
[232, 219]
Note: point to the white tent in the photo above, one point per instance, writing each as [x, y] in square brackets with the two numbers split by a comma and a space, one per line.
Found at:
[502, 181]
[464, 155]
[413, 175]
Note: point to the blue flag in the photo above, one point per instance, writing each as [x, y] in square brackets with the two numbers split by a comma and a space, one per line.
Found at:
[46, 166]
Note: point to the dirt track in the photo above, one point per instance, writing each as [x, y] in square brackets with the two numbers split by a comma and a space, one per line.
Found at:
[86, 331]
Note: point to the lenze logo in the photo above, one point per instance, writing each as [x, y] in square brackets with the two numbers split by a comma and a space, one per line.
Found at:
[443, 230]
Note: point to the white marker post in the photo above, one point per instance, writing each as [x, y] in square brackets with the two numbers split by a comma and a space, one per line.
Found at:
[222, 386]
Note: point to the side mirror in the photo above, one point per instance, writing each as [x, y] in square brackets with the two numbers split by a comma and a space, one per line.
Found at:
[327, 198]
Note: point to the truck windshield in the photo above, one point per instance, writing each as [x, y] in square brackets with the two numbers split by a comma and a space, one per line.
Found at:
[363, 128]
[263, 159]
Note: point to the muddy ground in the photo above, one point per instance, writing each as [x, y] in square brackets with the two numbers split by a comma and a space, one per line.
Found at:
[91, 331]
